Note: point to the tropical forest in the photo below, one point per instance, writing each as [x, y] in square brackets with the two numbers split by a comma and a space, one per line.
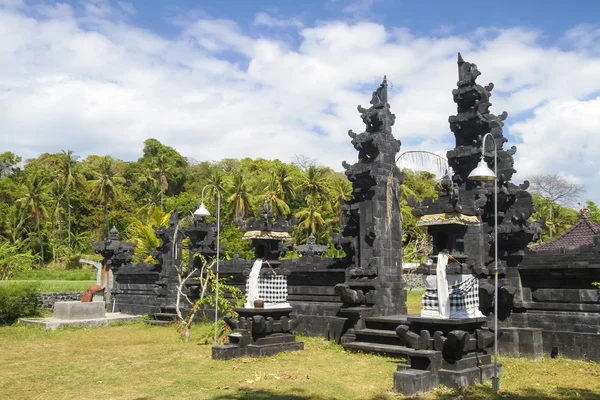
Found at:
[53, 206]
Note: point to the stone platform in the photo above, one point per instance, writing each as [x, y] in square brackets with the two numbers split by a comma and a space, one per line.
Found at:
[53, 323]
[230, 351]
[427, 369]
[74, 313]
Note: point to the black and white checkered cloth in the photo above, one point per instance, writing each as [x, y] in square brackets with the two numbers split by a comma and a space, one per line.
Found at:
[463, 296]
[271, 288]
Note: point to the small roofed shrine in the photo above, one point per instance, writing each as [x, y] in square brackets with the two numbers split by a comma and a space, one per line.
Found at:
[264, 325]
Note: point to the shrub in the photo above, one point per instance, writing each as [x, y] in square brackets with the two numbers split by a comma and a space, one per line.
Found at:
[18, 300]
[13, 260]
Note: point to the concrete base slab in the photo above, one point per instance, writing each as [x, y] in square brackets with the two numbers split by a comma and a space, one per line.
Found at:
[77, 311]
[53, 323]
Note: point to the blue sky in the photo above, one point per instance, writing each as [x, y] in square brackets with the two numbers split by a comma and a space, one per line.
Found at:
[421, 17]
[273, 79]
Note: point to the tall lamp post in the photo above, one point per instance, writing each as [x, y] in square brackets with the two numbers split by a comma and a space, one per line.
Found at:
[484, 173]
[203, 212]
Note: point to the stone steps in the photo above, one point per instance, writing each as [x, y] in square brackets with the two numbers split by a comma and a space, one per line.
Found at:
[159, 322]
[386, 322]
[164, 316]
[378, 336]
[387, 349]
[375, 332]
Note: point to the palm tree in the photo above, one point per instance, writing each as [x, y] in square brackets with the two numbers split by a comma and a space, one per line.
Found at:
[57, 194]
[239, 196]
[35, 199]
[70, 179]
[13, 225]
[340, 190]
[160, 171]
[142, 234]
[105, 186]
[312, 218]
[218, 179]
[285, 182]
[314, 184]
[151, 197]
[275, 197]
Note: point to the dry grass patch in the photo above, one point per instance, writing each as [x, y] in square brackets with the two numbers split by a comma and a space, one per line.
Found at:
[145, 362]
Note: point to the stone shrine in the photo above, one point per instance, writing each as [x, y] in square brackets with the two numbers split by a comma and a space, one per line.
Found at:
[264, 326]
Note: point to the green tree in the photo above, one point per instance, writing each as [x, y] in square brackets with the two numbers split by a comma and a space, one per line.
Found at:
[169, 167]
[340, 190]
[275, 196]
[161, 169]
[34, 201]
[70, 179]
[142, 234]
[239, 195]
[556, 190]
[594, 211]
[314, 184]
[13, 260]
[105, 187]
[311, 218]
[557, 222]
[285, 181]
[56, 196]
[9, 164]
[14, 221]
[219, 180]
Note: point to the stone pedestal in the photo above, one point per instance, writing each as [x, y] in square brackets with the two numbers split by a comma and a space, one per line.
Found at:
[259, 332]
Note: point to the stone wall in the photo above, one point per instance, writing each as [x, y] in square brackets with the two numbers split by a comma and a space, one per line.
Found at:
[413, 280]
[556, 296]
[47, 300]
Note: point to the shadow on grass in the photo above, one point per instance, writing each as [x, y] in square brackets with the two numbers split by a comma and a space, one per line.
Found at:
[485, 392]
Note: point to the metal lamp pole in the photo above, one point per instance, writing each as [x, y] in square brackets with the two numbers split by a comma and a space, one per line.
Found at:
[203, 212]
[483, 173]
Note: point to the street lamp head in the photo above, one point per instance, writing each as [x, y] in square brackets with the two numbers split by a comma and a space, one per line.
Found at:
[482, 172]
[201, 211]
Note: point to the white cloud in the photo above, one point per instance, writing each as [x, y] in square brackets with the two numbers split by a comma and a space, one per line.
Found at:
[584, 37]
[97, 8]
[562, 138]
[265, 19]
[12, 3]
[127, 7]
[359, 8]
[215, 91]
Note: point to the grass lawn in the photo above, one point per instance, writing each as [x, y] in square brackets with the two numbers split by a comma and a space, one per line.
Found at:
[136, 361]
[413, 301]
[57, 286]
